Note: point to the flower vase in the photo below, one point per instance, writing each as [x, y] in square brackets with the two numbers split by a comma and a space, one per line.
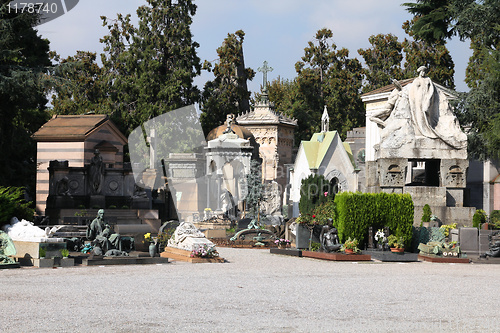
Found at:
[152, 250]
[349, 251]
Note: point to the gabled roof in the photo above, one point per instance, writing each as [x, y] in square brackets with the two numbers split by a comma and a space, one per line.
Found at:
[74, 128]
[385, 91]
[316, 149]
[388, 88]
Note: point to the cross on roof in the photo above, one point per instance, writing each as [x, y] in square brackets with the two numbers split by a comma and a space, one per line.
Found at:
[264, 69]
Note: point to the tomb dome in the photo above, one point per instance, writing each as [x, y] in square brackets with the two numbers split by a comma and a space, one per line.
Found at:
[240, 131]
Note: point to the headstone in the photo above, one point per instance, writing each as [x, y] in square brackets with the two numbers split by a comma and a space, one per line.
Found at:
[469, 241]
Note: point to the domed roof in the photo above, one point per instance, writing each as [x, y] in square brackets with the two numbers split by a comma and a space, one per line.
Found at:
[240, 131]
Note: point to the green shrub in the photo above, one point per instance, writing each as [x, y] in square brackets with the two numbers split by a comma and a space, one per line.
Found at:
[323, 212]
[426, 215]
[312, 193]
[479, 218]
[356, 212]
[495, 219]
[12, 204]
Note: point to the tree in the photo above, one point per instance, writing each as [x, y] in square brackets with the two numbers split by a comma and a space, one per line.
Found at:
[228, 92]
[23, 63]
[383, 61]
[327, 76]
[255, 190]
[150, 68]
[78, 85]
[432, 54]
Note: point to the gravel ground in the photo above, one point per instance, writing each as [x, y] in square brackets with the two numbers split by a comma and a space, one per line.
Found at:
[255, 291]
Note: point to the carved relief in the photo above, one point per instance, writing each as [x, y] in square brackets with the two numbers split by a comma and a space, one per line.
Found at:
[453, 173]
[392, 172]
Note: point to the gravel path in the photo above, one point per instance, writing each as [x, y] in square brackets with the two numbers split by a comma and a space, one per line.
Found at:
[254, 292]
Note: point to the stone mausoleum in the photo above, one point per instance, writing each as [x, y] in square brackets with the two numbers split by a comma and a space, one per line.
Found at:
[414, 145]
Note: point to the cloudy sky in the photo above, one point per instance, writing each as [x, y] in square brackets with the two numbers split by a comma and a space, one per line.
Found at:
[275, 30]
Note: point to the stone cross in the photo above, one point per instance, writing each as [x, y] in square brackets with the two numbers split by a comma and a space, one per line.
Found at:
[152, 147]
[264, 69]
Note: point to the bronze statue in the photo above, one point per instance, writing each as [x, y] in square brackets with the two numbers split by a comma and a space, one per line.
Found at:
[102, 236]
[96, 173]
[329, 238]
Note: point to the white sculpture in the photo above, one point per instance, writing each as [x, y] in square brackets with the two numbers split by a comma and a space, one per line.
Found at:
[419, 116]
[187, 237]
[27, 231]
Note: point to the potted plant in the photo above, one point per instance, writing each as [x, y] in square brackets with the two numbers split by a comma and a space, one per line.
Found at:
[65, 253]
[350, 246]
[282, 243]
[396, 245]
[42, 253]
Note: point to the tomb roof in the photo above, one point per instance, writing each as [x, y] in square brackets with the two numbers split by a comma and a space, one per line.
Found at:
[74, 128]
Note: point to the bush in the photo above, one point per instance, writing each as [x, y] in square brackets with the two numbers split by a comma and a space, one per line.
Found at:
[495, 219]
[426, 216]
[479, 218]
[12, 204]
[356, 212]
[312, 193]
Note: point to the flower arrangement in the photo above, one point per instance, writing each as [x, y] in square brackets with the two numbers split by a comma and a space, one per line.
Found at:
[282, 242]
[351, 244]
[150, 239]
[204, 251]
[208, 209]
[380, 236]
[447, 228]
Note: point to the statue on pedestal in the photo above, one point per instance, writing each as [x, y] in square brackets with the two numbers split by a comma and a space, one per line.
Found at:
[96, 173]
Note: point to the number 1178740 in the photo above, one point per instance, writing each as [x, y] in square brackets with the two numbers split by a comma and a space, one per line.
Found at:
[32, 7]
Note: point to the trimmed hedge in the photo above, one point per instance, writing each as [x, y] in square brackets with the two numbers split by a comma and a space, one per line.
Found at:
[356, 212]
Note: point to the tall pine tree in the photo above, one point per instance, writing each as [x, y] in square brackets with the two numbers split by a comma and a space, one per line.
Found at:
[228, 92]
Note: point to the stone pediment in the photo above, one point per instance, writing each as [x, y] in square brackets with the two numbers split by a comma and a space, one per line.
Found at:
[263, 113]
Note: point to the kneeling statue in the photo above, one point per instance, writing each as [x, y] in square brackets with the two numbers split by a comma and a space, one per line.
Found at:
[329, 238]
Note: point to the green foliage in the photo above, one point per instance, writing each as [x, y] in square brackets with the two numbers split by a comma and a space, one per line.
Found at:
[495, 219]
[356, 212]
[255, 187]
[149, 69]
[325, 76]
[479, 218]
[315, 246]
[78, 85]
[427, 212]
[42, 252]
[65, 253]
[12, 204]
[433, 55]
[383, 61]
[228, 92]
[23, 64]
[395, 242]
[312, 195]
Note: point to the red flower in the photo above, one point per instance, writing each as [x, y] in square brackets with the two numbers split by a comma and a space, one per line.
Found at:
[314, 216]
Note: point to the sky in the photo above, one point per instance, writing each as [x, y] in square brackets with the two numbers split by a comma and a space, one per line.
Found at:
[276, 31]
